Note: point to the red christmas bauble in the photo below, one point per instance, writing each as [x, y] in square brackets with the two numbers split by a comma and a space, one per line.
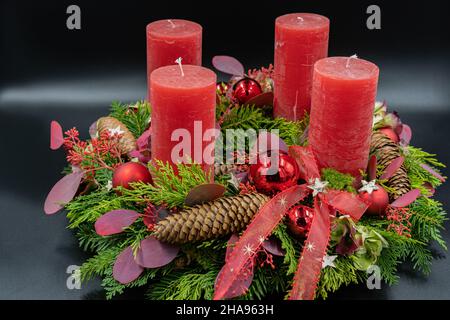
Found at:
[245, 89]
[298, 220]
[390, 133]
[379, 201]
[269, 180]
[130, 172]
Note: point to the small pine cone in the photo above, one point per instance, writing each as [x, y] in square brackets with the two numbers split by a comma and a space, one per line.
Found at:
[127, 142]
[222, 169]
[386, 150]
[210, 220]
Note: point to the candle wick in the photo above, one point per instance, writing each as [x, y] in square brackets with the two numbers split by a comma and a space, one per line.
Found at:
[301, 19]
[349, 59]
[171, 23]
[180, 65]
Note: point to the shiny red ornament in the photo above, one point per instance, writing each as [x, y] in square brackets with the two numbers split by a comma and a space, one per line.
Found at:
[298, 221]
[269, 181]
[245, 89]
[131, 172]
[222, 88]
[390, 133]
[379, 201]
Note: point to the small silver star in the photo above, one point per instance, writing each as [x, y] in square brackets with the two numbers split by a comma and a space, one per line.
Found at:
[328, 261]
[261, 239]
[109, 185]
[234, 181]
[282, 201]
[369, 187]
[248, 250]
[310, 246]
[317, 186]
[116, 131]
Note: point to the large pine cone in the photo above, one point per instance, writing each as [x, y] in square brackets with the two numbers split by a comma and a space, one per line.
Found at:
[210, 220]
[386, 150]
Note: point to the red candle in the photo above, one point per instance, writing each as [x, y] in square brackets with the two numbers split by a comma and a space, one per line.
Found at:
[343, 99]
[300, 40]
[183, 114]
[169, 39]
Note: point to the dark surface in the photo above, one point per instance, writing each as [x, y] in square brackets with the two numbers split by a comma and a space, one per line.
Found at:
[48, 72]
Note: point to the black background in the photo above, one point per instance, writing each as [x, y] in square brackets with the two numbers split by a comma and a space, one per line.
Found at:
[49, 72]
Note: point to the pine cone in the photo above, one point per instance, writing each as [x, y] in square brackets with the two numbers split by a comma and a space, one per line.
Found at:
[210, 220]
[386, 150]
[127, 142]
[222, 169]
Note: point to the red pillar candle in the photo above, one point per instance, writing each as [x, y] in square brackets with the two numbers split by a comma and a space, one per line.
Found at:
[169, 39]
[183, 110]
[300, 40]
[343, 99]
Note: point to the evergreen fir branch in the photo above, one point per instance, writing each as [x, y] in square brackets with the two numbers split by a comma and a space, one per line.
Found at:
[89, 207]
[289, 131]
[99, 264]
[290, 247]
[191, 284]
[414, 157]
[337, 180]
[243, 117]
[90, 241]
[135, 117]
[343, 274]
[113, 288]
[268, 282]
[169, 189]
[427, 219]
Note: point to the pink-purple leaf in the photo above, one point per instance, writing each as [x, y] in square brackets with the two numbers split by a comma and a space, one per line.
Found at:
[406, 199]
[405, 135]
[56, 135]
[392, 168]
[115, 221]
[372, 168]
[430, 189]
[228, 65]
[63, 192]
[153, 253]
[93, 130]
[204, 193]
[273, 246]
[432, 172]
[261, 100]
[125, 269]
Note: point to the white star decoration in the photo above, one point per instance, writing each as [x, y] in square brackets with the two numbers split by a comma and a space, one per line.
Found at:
[116, 131]
[234, 181]
[310, 246]
[328, 261]
[369, 187]
[317, 186]
[109, 185]
[261, 239]
[248, 250]
[282, 201]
